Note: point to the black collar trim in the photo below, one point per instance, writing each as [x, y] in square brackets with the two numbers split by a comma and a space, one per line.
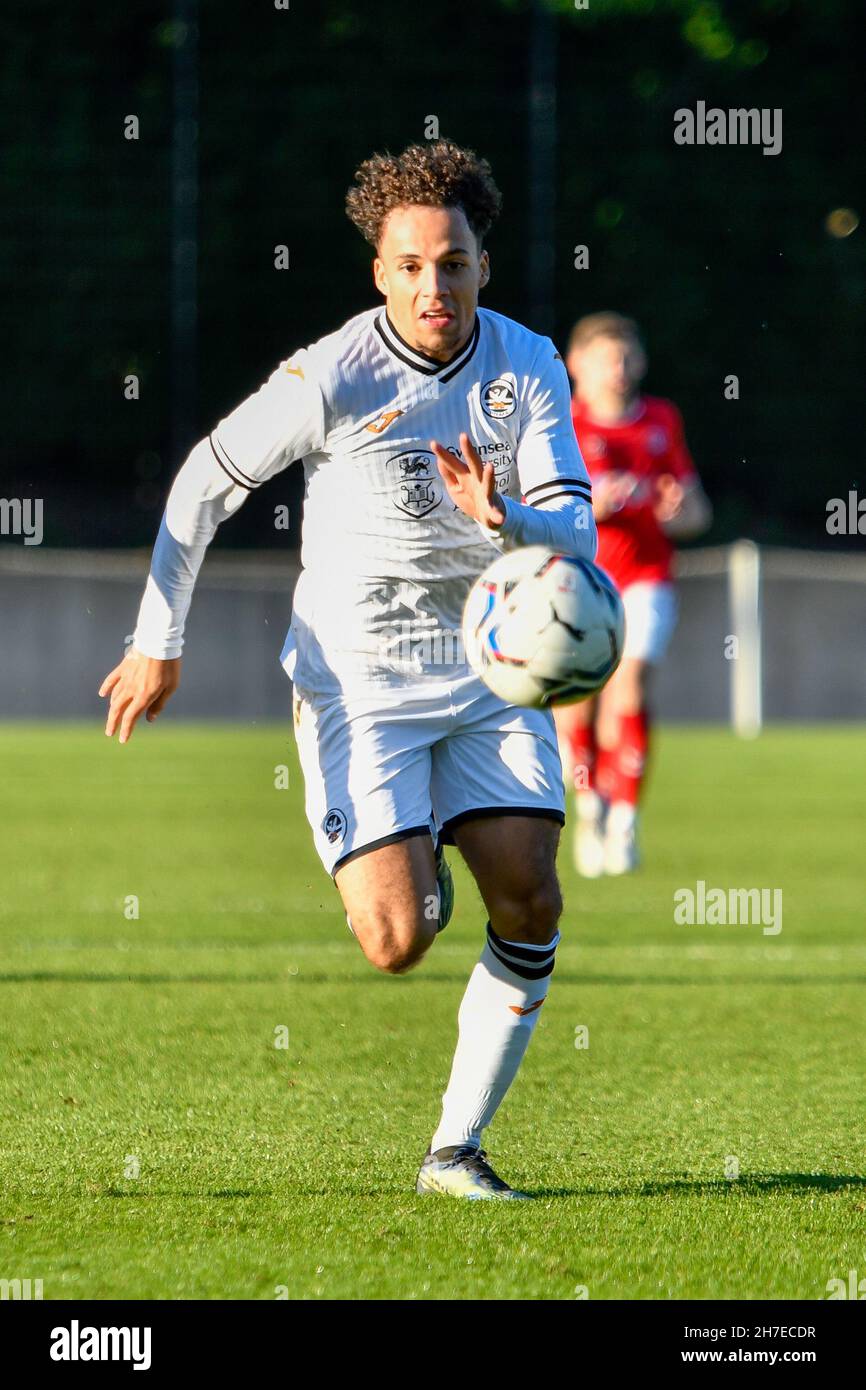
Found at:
[419, 361]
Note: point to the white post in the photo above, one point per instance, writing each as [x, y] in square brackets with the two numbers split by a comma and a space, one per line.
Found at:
[744, 602]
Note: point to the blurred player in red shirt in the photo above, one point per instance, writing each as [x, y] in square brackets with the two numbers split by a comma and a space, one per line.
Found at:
[646, 494]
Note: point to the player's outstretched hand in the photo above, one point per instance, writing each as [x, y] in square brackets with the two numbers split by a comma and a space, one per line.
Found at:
[139, 685]
[669, 498]
[611, 491]
[471, 484]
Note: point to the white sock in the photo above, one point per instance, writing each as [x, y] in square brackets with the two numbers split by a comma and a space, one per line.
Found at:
[589, 806]
[496, 1019]
[622, 817]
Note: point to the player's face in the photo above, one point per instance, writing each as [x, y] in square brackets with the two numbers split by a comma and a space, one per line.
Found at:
[430, 271]
[608, 367]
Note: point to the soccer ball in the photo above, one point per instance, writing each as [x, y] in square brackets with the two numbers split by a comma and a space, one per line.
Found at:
[541, 628]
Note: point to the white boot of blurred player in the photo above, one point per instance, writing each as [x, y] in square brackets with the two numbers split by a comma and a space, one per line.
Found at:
[620, 843]
[589, 842]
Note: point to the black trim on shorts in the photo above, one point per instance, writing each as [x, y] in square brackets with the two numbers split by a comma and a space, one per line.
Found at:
[385, 840]
[446, 836]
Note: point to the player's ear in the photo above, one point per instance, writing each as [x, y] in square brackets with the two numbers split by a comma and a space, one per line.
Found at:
[484, 269]
[380, 279]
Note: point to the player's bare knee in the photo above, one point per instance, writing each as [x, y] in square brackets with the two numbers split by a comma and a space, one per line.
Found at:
[532, 915]
[395, 946]
[607, 723]
[628, 695]
[396, 958]
[629, 699]
[607, 729]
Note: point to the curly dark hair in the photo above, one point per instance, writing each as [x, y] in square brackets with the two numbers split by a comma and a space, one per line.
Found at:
[438, 174]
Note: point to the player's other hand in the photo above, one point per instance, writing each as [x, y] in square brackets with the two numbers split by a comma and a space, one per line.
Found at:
[610, 493]
[471, 483]
[669, 498]
[139, 685]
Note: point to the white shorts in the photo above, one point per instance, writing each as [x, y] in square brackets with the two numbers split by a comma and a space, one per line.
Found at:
[650, 619]
[418, 760]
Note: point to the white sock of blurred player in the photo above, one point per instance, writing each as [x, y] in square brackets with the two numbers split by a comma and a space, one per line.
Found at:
[620, 840]
[589, 829]
[496, 1019]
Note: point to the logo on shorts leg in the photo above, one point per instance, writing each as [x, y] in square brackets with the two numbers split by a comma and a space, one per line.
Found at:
[334, 825]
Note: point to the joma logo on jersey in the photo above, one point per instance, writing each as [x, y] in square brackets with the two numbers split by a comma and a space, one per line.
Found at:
[418, 490]
[498, 399]
[382, 421]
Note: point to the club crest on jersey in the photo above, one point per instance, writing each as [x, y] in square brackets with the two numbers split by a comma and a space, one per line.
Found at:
[417, 483]
[498, 399]
[334, 825]
[657, 440]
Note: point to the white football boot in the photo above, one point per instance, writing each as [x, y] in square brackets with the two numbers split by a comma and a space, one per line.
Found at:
[620, 840]
[589, 839]
[464, 1171]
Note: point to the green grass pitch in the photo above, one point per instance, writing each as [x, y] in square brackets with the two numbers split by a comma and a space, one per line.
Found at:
[157, 1143]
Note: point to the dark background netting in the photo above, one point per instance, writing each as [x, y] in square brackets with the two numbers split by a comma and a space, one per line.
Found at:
[721, 253]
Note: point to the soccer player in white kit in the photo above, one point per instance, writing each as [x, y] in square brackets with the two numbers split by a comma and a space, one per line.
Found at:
[432, 433]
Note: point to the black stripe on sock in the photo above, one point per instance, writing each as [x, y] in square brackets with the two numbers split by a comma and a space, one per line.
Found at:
[524, 971]
[527, 953]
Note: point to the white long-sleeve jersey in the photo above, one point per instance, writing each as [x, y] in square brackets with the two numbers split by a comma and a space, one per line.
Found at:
[386, 556]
